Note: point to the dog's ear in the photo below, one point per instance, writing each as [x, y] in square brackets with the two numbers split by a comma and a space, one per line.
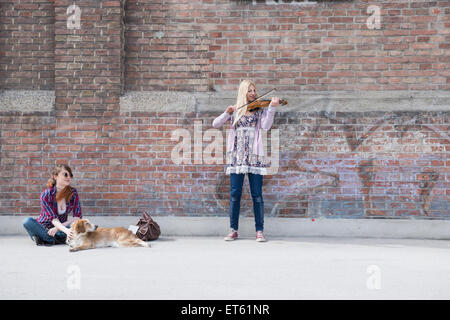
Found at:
[80, 227]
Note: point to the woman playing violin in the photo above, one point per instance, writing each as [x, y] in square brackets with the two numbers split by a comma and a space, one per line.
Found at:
[245, 153]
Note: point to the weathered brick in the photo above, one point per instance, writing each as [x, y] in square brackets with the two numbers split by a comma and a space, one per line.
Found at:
[122, 162]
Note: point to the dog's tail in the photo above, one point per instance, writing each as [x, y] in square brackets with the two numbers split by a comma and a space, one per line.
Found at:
[138, 243]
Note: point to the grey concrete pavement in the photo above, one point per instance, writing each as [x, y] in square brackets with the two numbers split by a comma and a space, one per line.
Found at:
[210, 268]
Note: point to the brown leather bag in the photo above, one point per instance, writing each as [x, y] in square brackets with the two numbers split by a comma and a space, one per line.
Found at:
[148, 228]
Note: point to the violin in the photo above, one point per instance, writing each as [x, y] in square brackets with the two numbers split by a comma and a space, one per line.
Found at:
[255, 105]
[261, 103]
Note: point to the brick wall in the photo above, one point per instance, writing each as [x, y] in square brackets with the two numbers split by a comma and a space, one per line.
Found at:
[342, 165]
[27, 45]
[204, 45]
[332, 164]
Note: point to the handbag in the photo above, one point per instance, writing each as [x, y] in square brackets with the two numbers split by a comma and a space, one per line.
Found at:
[148, 229]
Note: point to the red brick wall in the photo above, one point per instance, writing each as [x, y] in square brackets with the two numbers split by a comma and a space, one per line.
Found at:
[27, 44]
[186, 45]
[88, 78]
[204, 45]
[348, 164]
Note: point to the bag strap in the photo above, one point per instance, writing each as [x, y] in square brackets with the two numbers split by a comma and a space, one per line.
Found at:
[143, 230]
[146, 216]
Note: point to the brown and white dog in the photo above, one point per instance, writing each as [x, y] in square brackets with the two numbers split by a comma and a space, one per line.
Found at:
[88, 236]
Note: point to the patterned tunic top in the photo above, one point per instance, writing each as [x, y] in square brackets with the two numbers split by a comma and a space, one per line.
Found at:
[242, 159]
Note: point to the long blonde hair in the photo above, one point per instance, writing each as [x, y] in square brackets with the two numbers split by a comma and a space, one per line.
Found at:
[242, 99]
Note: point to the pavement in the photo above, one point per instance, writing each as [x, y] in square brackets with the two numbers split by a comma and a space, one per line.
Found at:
[204, 268]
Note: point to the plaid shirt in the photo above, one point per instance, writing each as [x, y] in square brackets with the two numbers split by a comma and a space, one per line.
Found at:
[49, 207]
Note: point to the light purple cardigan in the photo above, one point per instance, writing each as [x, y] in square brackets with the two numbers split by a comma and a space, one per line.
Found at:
[264, 122]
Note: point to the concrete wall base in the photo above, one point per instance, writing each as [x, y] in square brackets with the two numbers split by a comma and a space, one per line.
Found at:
[274, 227]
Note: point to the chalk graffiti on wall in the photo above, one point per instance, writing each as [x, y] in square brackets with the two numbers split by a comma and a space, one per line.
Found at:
[392, 166]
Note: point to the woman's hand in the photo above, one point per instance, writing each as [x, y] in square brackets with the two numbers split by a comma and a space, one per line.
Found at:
[70, 221]
[52, 231]
[69, 233]
[230, 109]
[275, 102]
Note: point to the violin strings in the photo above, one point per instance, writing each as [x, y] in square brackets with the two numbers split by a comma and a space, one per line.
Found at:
[256, 99]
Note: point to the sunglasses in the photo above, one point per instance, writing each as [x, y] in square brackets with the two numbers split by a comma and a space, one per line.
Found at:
[66, 175]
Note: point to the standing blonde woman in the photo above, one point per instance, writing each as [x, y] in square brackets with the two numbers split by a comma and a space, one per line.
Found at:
[245, 154]
[57, 201]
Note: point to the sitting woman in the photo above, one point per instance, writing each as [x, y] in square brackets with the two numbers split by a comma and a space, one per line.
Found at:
[57, 201]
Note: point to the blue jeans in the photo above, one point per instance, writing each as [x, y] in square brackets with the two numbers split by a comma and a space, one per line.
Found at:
[34, 228]
[255, 181]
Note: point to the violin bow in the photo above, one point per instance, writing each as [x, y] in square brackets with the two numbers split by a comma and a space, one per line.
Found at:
[263, 95]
